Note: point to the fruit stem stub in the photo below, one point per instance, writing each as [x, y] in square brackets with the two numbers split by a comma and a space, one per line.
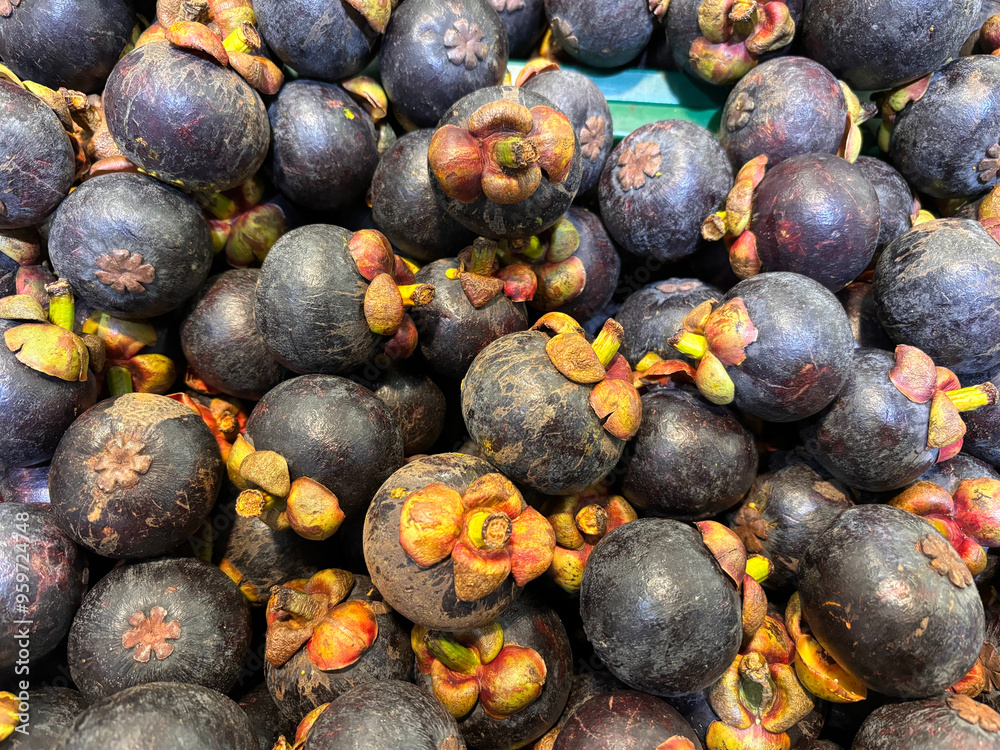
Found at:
[692, 344]
[62, 307]
[973, 397]
[489, 530]
[608, 341]
[119, 381]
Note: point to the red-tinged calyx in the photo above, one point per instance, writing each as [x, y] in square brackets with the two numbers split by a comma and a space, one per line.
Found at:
[372, 253]
[502, 152]
[729, 331]
[652, 369]
[754, 608]
[726, 548]
[677, 742]
[735, 33]
[519, 282]
[893, 102]
[535, 66]
[977, 508]
[196, 36]
[973, 682]
[489, 533]
[369, 94]
[617, 403]
[735, 218]
[743, 256]
[151, 373]
[259, 72]
[252, 234]
[914, 374]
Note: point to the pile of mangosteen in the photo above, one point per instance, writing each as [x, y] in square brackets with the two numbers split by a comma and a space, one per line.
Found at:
[370, 379]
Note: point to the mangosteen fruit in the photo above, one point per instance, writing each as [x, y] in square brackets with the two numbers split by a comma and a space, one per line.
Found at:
[893, 419]
[690, 460]
[579, 98]
[325, 39]
[315, 450]
[404, 208]
[329, 163]
[778, 346]
[783, 513]
[45, 722]
[163, 716]
[30, 485]
[450, 543]
[953, 720]
[623, 719]
[169, 620]
[506, 682]
[892, 602]
[604, 34]
[39, 164]
[858, 299]
[895, 198]
[45, 381]
[982, 438]
[45, 575]
[268, 722]
[130, 245]
[417, 403]
[585, 685]
[328, 300]
[505, 162]
[524, 21]
[951, 473]
[651, 315]
[437, 51]
[943, 139]
[220, 338]
[785, 107]
[549, 409]
[135, 476]
[652, 588]
[656, 182]
[65, 45]
[328, 634]
[184, 119]
[471, 307]
[390, 715]
[934, 289]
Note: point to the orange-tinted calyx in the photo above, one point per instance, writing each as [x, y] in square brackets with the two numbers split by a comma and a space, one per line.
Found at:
[815, 667]
[733, 223]
[502, 152]
[892, 102]
[560, 276]
[735, 33]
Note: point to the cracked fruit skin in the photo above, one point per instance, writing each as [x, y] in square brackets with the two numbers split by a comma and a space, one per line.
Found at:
[420, 79]
[881, 44]
[935, 288]
[298, 686]
[148, 512]
[660, 220]
[690, 460]
[184, 119]
[57, 574]
[136, 213]
[652, 588]
[39, 164]
[213, 618]
[390, 715]
[939, 140]
[426, 596]
[163, 716]
[875, 603]
[620, 719]
[53, 710]
[605, 33]
[531, 421]
[528, 623]
[923, 725]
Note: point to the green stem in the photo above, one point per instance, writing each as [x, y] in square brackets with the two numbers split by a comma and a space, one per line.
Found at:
[514, 152]
[692, 344]
[451, 653]
[297, 602]
[488, 530]
[973, 397]
[62, 306]
[608, 341]
[483, 253]
[119, 380]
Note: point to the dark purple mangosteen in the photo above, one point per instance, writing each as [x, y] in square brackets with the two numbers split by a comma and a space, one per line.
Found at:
[170, 620]
[534, 656]
[69, 45]
[219, 337]
[417, 403]
[130, 245]
[39, 164]
[858, 300]
[982, 439]
[524, 21]
[659, 611]
[29, 485]
[46, 723]
[943, 143]
[892, 602]
[135, 476]
[184, 119]
[390, 715]
[623, 719]
[325, 39]
[783, 513]
[881, 44]
[951, 720]
[505, 162]
[657, 181]
[585, 685]
[604, 33]
[163, 716]
[437, 51]
[44, 576]
[935, 288]
[268, 722]
[328, 635]
[653, 314]
[332, 431]
[784, 107]
[578, 97]
[895, 198]
[690, 460]
[329, 163]
[404, 208]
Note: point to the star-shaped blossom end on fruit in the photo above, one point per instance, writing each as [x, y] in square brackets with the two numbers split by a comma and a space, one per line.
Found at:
[124, 271]
[638, 162]
[465, 45]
